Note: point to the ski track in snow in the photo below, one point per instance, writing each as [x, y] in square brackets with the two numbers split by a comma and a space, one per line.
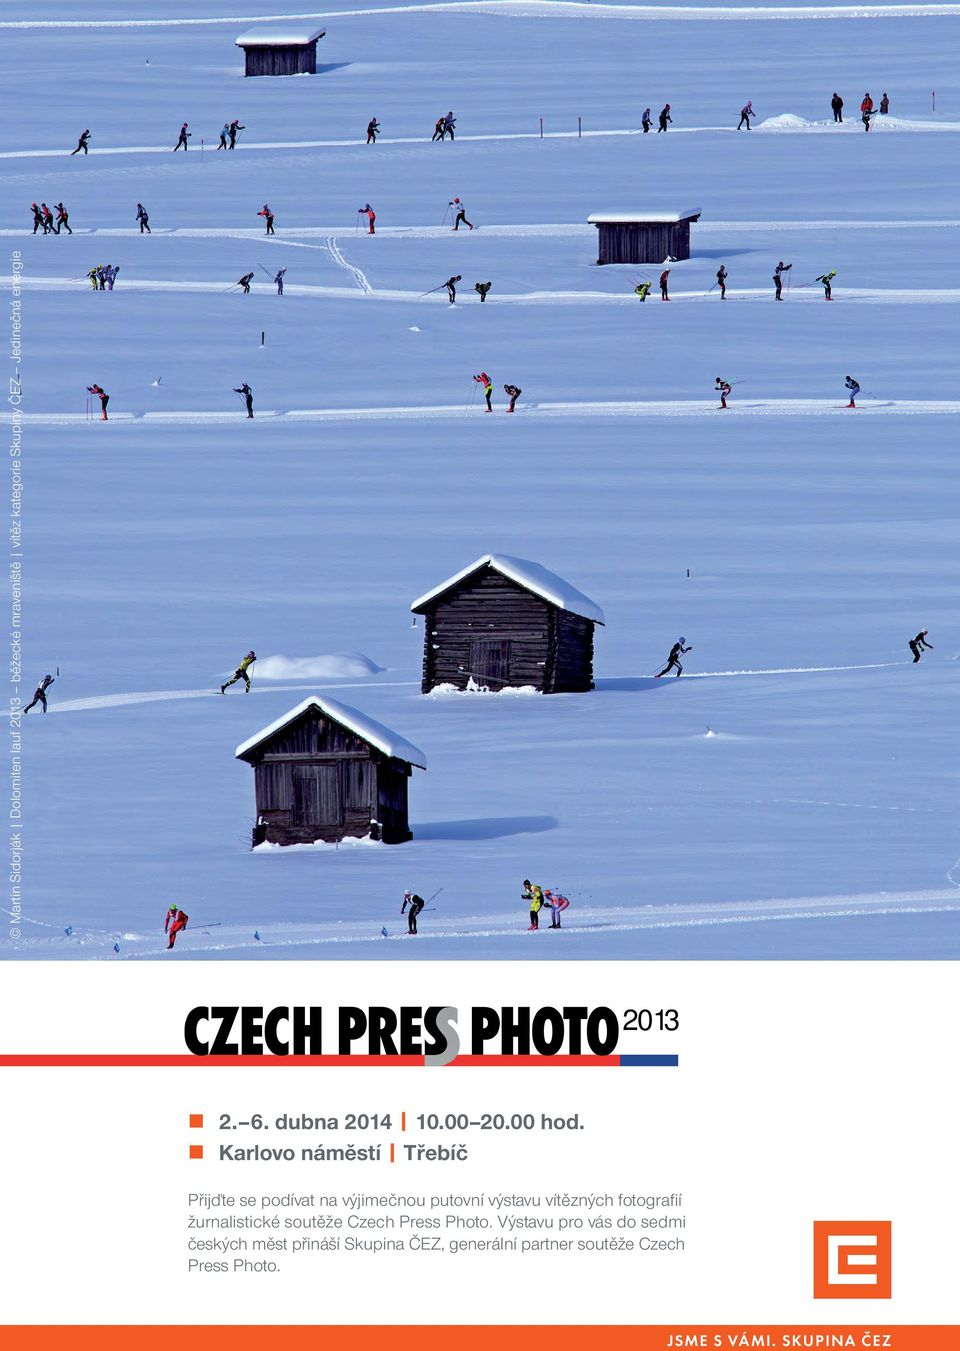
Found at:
[676, 408]
[533, 9]
[892, 127]
[100, 701]
[361, 280]
[582, 920]
[803, 294]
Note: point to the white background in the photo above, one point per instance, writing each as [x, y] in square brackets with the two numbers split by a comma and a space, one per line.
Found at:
[805, 1091]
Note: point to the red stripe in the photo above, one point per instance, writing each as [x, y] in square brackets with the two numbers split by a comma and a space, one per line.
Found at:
[212, 1061]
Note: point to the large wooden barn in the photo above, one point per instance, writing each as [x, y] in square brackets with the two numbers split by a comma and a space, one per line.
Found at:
[280, 51]
[643, 237]
[324, 771]
[508, 622]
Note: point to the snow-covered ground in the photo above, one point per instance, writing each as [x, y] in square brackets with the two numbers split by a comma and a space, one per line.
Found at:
[796, 793]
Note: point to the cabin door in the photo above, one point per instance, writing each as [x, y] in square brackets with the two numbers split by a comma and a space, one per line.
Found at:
[316, 795]
[490, 660]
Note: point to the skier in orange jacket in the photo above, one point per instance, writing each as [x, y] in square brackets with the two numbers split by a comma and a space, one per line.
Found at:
[175, 921]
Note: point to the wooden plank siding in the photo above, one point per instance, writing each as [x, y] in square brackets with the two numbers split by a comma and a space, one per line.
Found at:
[643, 242]
[516, 637]
[293, 60]
[315, 780]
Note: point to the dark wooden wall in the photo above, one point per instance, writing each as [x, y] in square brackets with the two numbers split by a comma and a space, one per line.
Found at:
[636, 243]
[281, 60]
[493, 629]
[317, 781]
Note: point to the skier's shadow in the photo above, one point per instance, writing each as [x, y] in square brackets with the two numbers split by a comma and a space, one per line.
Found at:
[484, 828]
[631, 684]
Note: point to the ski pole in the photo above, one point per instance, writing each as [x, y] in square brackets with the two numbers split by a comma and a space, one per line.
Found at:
[263, 269]
[435, 895]
[436, 288]
[444, 220]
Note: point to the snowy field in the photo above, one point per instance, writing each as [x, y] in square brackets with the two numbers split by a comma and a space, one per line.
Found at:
[795, 795]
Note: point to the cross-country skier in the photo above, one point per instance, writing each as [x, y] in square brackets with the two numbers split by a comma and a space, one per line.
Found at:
[827, 278]
[513, 392]
[449, 122]
[143, 218]
[267, 214]
[247, 393]
[224, 136]
[557, 904]
[722, 281]
[884, 104]
[866, 111]
[112, 273]
[82, 143]
[664, 292]
[664, 118]
[373, 126]
[103, 273]
[486, 384]
[233, 131]
[175, 922]
[278, 279]
[534, 895]
[438, 129]
[47, 218]
[778, 272]
[451, 285]
[723, 388]
[242, 671]
[481, 288]
[746, 112]
[37, 218]
[183, 138]
[836, 103]
[371, 216]
[645, 121]
[854, 389]
[63, 218]
[40, 693]
[459, 213]
[416, 904]
[98, 392]
[673, 661]
[245, 281]
[92, 274]
[916, 645]
[642, 289]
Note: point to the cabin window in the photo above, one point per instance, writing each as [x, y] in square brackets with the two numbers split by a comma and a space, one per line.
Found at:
[490, 660]
[316, 795]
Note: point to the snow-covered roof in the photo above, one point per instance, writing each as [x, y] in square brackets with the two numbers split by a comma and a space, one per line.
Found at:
[373, 732]
[642, 217]
[530, 575]
[279, 37]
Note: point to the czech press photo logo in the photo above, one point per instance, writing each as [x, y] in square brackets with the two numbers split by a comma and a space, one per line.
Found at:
[851, 1259]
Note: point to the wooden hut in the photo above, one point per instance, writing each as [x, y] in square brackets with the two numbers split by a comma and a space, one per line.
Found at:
[643, 237]
[324, 771]
[506, 621]
[280, 51]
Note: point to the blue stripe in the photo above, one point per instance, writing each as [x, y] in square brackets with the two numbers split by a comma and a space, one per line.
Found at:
[633, 1061]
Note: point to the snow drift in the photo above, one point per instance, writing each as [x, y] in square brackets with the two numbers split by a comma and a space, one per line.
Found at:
[326, 666]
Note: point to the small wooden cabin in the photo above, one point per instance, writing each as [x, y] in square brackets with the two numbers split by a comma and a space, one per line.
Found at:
[508, 622]
[324, 771]
[638, 237]
[280, 51]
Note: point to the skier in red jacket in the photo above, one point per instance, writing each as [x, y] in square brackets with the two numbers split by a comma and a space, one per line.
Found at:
[176, 920]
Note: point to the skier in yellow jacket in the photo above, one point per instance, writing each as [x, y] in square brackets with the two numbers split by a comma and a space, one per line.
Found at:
[241, 673]
[534, 895]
